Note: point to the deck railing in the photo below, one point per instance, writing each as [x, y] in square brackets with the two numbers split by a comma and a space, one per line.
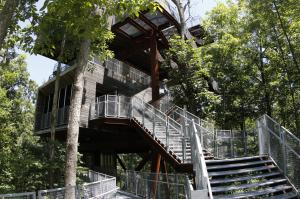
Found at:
[63, 68]
[282, 146]
[27, 195]
[98, 186]
[124, 72]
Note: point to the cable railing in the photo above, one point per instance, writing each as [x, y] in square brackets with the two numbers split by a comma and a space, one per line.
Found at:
[282, 146]
[167, 130]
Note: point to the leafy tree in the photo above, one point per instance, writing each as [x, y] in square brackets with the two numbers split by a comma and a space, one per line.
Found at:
[86, 22]
[11, 13]
[189, 82]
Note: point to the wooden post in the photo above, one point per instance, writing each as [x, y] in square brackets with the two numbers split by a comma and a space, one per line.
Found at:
[154, 69]
[155, 168]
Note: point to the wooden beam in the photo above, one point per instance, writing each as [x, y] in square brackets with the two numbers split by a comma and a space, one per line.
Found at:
[121, 163]
[154, 69]
[155, 168]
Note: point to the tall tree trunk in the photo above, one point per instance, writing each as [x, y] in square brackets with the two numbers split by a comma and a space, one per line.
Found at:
[289, 77]
[74, 119]
[267, 100]
[291, 47]
[53, 119]
[6, 16]
[180, 8]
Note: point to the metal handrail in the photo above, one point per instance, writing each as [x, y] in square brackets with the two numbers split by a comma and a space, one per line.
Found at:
[13, 195]
[281, 145]
[202, 182]
[146, 113]
[118, 68]
[87, 190]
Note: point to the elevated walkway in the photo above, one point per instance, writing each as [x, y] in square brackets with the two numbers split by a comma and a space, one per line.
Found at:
[179, 139]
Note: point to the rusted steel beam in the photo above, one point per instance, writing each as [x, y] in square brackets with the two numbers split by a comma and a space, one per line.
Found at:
[155, 168]
[154, 68]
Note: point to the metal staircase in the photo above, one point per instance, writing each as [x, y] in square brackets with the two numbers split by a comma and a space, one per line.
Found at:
[248, 177]
[165, 131]
[187, 139]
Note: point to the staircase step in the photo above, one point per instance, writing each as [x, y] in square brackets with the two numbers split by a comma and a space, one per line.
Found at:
[290, 195]
[238, 165]
[267, 191]
[230, 180]
[247, 186]
[240, 171]
[225, 161]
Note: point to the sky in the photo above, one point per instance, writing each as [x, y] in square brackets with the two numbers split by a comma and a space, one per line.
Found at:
[40, 67]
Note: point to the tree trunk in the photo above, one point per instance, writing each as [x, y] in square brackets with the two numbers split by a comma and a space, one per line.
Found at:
[74, 119]
[289, 77]
[180, 8]
[267, 100]
[291, 47]
[6, 16]
[53, 119]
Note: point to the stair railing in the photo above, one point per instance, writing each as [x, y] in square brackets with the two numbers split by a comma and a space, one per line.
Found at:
[282, 146]
[203, 188]
[151, 118]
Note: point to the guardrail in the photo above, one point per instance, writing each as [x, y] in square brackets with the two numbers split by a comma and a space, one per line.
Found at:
[126, 107]
[203, 188]
[99, 186]
[63, 68]
[154, 185]
[282, 146]
[28, 195]
[221, 143]
[124, 72]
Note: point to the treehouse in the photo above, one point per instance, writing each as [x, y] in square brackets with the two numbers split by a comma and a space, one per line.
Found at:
[126, 110]
[110, 87]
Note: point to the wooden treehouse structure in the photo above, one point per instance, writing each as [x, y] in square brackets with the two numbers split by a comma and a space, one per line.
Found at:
[125, 110]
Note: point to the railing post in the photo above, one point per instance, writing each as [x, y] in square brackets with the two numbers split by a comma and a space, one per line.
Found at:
[167, 133]
[143, 115]
[264, 145]
[154, 117]
[105, 105]
[118, 105]
[283, 142]
[136, 180]
[231, 145]
[183, 146]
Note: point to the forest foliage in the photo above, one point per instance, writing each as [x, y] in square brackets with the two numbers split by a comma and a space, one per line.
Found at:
[251, 68]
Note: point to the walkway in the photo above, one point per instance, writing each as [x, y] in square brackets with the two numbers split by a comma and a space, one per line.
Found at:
[125, 195]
